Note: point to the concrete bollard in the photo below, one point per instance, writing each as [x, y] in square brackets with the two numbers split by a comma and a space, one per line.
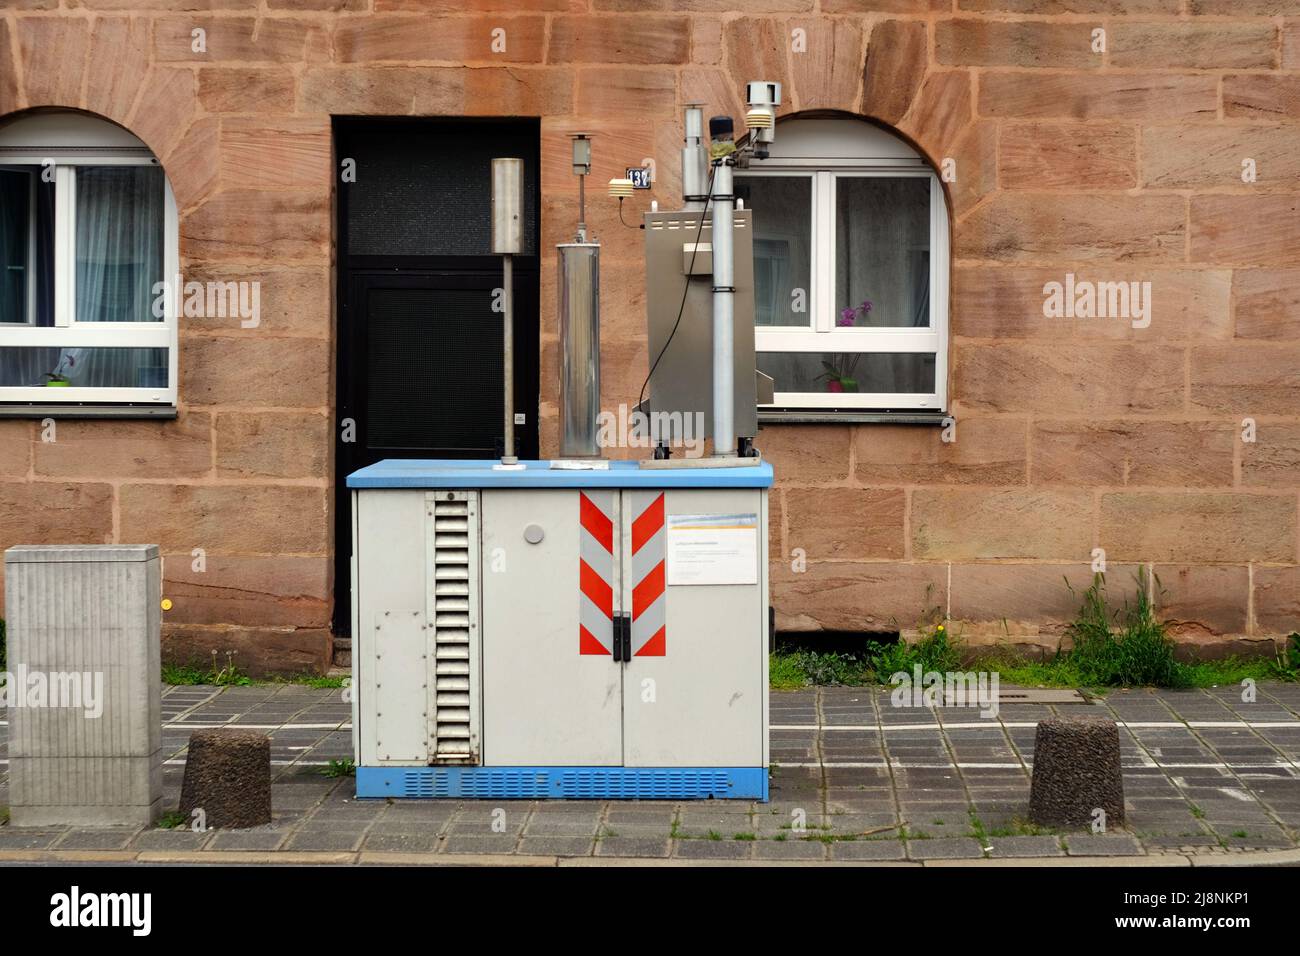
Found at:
[228, 778]
[85, 688]
[1076, 772]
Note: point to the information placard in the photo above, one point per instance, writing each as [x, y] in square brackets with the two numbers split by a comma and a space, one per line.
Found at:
[713, 549]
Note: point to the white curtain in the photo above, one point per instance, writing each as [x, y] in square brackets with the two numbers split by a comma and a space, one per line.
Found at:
[882, 252]
[118, 260]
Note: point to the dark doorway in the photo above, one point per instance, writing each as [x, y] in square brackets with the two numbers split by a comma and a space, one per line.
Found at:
[419, 342]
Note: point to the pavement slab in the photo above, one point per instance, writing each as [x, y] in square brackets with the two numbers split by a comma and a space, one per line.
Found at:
[1206, 775]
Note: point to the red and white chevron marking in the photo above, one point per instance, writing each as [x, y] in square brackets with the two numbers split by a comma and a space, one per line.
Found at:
[596, 572]
[649, 620]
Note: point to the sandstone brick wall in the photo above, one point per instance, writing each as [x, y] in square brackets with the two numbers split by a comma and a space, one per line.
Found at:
[1071, 434]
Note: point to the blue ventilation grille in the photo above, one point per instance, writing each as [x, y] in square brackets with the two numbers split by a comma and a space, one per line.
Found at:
[564, 783]
[417, 784]
[643, 784]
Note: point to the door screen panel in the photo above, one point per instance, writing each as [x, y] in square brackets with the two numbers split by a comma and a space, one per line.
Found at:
[434, 368]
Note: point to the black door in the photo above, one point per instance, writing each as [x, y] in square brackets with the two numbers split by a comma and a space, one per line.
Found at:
[420, 331]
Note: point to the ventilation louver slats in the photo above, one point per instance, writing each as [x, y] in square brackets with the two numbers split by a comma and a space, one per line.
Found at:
[454, 612]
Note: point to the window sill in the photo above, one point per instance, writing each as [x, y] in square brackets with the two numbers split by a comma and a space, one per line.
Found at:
[794, 416]
[73, 410]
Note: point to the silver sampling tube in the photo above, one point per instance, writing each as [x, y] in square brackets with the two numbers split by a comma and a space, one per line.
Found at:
[579, 303]
[695, 160]
[507, 242]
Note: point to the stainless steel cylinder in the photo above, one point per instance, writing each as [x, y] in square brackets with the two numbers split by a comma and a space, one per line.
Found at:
[507, 207]
[695, 160]
[579, 306]
[724, 305]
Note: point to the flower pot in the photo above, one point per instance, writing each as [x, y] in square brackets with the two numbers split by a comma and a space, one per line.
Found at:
[53, 384]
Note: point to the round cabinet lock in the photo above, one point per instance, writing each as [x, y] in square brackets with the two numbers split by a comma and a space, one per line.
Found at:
[534, 534]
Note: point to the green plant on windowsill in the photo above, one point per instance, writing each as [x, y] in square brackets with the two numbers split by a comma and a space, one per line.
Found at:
[56, 380]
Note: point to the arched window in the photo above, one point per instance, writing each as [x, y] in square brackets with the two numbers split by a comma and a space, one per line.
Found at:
[850, 270]
[88, 244]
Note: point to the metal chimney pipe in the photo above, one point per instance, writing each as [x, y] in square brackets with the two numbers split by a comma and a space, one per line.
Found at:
[722, 132]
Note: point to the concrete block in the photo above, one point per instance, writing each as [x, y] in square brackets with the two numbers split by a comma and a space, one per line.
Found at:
[84, 693]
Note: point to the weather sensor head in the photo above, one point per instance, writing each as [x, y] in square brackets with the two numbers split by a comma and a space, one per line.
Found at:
[581, 153]
[722, 133]
[762, 98]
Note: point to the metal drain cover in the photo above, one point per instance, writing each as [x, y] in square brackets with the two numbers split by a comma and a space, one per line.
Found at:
[1023, 695]
[1040, 695]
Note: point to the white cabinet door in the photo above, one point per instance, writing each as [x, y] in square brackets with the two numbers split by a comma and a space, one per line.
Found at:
[694, 690]
[552, 693]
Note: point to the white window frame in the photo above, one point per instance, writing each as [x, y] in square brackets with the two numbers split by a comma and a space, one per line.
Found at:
[67, 332]
[821, 333]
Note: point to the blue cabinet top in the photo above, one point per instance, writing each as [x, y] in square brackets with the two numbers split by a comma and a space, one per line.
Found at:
[441, 473]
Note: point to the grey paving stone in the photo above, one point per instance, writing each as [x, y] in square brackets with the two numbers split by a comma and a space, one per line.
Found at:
[552, 826]
[257, 839]
[408, 827]
[105, 838]
[420, 810]
[25, 838]
[556, 846]
[1259, 839]
[335, 839]
[714, 849]
[1097, 844]
[481, 843]
[169, 840]
[867, 850]
[1025, 846]
[789, 850]
[944, 848]
[482, 824]
[401, 842]
[629, 846]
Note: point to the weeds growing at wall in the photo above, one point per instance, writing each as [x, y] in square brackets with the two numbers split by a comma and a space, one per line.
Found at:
[791, 668]
[1126, 646]
[220, 676]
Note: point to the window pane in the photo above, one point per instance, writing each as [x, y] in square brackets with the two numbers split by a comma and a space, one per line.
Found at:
[26, 270]
[882, 252]
[84, 367]
[119, 242]
[782, 246]
[850, 372]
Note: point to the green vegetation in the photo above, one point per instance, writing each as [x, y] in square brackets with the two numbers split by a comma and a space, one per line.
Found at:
[339, 768]
[1122, 647]
[875, 664]
[313, 680]
[189, 674]
[171, 820]
[1132, 651]
[787, 671]
[933, 652]
[231, 676]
